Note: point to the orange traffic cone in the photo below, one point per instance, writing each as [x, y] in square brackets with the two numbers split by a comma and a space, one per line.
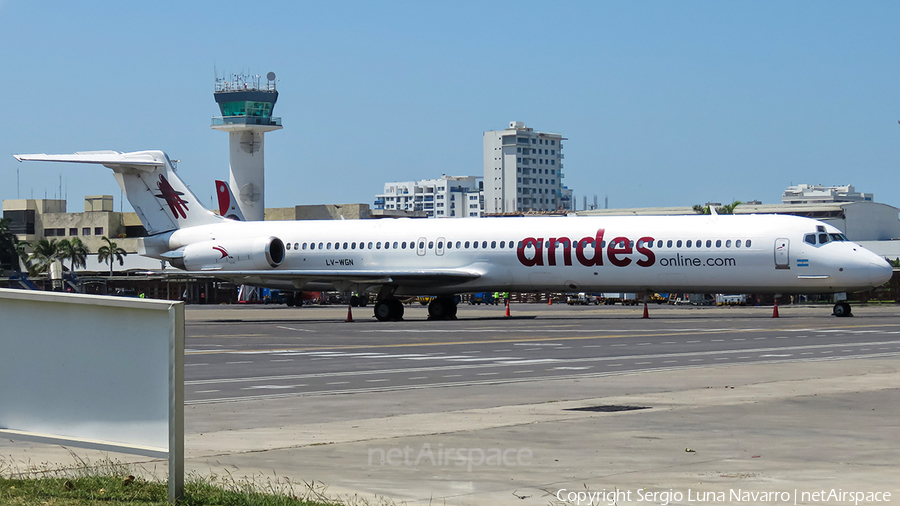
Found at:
[507, 307]
[350, 313]
[549, 299]
[646, 312]
[775, 311]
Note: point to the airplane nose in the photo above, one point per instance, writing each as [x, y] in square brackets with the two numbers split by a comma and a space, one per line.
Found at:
[880, 272]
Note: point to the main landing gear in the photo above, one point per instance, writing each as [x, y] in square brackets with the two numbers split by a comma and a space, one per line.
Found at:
[390, 309]
[842, 309]
[442, 308]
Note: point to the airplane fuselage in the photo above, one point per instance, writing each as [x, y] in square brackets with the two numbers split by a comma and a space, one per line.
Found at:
[733, 253]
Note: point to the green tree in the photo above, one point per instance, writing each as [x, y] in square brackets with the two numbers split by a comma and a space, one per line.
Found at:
[726, 209]
[43, 253]
[75, 250]
[9, 257]
[109, 253]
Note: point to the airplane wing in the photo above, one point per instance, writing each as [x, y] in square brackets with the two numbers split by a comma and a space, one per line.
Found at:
[365, 276]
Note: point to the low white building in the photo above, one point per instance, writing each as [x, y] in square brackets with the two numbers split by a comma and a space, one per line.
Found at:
[818, 194]
[447, 197]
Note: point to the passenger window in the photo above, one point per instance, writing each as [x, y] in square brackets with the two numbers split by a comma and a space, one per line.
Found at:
[688, 244]
[422, 245]
[345, 245]
[493, 244]
[678, 244]
[458, 244]
[709, 243]
[304, 245]
[484, 244]
[737, 244]
[659, 244]
[718, 243]
[810, 238]
[631, 244]
[370, 245]
[728, 243]
[475, 244]
[440, 245]
[328, 245]
[449, 244]
[430, 244]
[699, 243]
[467, 244]
[352, 245]
[287, 246]
[669, 243]
[395, 244]
[502, 244]
[748, 243]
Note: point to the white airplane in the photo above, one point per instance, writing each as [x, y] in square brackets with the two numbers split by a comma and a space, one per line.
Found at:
[772, 254]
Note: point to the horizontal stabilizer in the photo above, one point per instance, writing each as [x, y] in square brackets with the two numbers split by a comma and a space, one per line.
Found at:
[111, 159]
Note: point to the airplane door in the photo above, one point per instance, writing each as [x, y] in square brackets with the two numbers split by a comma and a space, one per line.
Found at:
[439, 246]
[782, 254]
[420, 246]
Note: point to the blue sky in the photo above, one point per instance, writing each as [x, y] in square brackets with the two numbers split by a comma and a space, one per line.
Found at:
[663, 103]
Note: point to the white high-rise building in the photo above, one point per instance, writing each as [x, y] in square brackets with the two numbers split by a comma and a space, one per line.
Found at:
[523, 171]
[447, 197]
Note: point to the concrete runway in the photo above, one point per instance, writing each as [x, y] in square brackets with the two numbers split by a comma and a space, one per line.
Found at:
[485, 409]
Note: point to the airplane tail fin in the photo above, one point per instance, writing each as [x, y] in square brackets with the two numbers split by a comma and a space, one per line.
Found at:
[228, 206]
[159, 197]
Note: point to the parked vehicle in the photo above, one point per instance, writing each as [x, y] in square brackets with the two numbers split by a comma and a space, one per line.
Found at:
[581, 299]
[731, 300]
[627, 299]
[482, 298]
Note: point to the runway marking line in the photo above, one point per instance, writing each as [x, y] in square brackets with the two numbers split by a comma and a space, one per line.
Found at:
[528, 339]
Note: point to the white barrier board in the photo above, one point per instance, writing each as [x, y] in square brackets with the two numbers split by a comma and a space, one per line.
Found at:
[92, 371]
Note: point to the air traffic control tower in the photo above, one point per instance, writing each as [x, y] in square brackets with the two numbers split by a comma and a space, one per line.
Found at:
[246, 108]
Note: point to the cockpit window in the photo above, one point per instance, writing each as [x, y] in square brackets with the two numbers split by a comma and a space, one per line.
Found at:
[823, 238]
[810, 238]
[838, 237]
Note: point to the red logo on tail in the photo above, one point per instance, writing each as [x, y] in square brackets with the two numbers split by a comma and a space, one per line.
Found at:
[172, 197]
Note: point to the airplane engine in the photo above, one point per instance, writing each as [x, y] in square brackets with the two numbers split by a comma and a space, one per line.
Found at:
[246, 254]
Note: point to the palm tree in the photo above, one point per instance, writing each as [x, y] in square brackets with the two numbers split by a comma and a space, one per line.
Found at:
[729, 208]
[111, 252]
[75, 250]
[8, 246]
[726, 209]
[43, 254]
